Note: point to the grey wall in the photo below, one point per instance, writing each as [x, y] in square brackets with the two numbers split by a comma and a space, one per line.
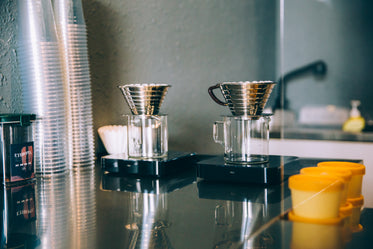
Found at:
[10, 87]
[340, 33]
[189, 44]
[194, 44]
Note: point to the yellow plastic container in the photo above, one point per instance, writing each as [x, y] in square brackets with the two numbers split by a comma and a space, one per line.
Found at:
[344, 174]
[345, 212]
[316, 234]
[357, 204]
[316, 197]
[331, 221]
[357, 170]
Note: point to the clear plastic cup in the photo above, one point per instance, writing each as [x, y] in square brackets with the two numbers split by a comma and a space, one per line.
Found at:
[72, 33]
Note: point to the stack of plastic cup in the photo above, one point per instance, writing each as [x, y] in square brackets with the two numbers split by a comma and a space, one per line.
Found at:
[83, 209]
[42, 84]
[53, 204]
[72, 34]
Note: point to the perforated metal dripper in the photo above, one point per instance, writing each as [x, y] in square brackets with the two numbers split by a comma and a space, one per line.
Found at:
[144, 99]
[245, 97]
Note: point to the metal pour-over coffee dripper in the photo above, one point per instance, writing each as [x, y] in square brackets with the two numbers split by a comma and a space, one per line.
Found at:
[144, 99]
[245, 97]
[146, 128]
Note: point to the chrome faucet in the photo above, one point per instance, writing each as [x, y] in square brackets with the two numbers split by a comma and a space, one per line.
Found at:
[317, 68]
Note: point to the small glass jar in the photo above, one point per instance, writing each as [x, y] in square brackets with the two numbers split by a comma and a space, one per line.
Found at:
[16, 148]
[147, 136]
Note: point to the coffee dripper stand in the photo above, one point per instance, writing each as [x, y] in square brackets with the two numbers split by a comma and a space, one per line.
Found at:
[246, 100]
[147, 134]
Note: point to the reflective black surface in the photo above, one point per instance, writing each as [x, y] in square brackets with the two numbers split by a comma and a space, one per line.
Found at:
[159, 167]
[93, 209]
[268, 173]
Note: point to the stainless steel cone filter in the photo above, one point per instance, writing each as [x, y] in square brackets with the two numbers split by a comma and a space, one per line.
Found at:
[244, 98]
[144, 99]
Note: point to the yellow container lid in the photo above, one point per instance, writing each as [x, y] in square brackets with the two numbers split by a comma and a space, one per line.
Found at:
[356, 202]
[345, 174]
[315, 183]
[346, 209]
[356, 168]
[329, 221]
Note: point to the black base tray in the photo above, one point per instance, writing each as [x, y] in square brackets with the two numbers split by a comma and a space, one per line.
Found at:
[216, 169]
[143, 184]
[175, 162]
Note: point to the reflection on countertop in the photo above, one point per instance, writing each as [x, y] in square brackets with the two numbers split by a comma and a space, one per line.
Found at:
[96, 209]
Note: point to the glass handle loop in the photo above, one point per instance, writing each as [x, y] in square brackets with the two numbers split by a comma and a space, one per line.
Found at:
[216, 134]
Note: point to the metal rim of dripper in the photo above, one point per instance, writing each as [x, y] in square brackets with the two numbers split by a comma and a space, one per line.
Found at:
[156, 117]
[145, 98]
[145, 85]
[249, 98]
[238, 83]
[263, 115]
[248, 82]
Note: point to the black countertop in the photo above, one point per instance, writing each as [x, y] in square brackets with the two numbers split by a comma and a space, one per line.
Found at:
[93, 209]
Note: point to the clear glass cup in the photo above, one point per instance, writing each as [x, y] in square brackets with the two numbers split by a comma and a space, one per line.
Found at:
[147, 136]
[244, 138]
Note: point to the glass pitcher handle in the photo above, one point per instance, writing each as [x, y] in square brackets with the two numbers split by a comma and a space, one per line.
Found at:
[218, 136]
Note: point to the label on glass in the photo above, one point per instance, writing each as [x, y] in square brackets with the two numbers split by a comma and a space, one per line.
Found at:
[21, 161]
